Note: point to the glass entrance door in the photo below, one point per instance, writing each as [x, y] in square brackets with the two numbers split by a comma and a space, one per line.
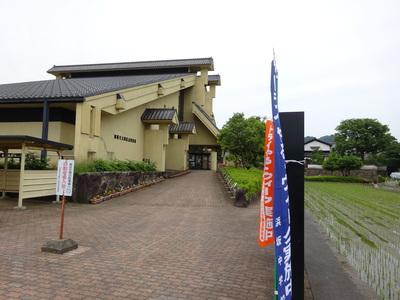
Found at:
[199, 161]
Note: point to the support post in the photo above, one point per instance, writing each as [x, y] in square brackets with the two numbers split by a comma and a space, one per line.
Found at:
[45, 125]
[3, 195]
[292, 124]
[21, 179]
[62, 217]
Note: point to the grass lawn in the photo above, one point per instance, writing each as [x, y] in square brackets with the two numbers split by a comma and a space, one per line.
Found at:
[364, 224]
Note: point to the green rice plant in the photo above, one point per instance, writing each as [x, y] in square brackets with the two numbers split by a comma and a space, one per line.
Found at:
[364, 224]
[331, 178]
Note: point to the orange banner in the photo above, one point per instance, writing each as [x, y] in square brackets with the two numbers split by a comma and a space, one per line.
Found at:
[265, 221]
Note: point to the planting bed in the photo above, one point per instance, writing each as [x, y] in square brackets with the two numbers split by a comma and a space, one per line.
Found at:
[364, 224]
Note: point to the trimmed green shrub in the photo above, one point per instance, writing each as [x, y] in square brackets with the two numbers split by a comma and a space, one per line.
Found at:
[248, 179]
[115, 165]
[345, 179]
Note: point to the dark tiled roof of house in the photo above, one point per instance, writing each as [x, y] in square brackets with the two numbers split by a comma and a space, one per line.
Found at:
[317, 140]
[140, 65]
[158, 114]
[182, 127]
[75, 89]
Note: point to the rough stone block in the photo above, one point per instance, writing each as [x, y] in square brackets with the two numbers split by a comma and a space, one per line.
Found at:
[59, 246]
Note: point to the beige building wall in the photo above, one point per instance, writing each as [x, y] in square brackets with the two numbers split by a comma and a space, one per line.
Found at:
[213, 161]
[203, 136]
[28, 128]
[155, 143]
[107, 132]
[177, 153]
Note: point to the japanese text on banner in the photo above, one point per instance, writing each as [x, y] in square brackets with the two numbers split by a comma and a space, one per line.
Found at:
[266, 228]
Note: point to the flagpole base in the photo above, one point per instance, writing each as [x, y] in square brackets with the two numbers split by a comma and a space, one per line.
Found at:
[59, 246]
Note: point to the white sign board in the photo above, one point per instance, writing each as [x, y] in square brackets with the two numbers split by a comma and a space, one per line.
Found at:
[65, 176]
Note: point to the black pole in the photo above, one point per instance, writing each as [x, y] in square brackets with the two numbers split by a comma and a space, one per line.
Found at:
[45, 125]
[292, 124]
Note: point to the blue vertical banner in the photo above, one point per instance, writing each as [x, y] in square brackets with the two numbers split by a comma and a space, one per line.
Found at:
[281, 210]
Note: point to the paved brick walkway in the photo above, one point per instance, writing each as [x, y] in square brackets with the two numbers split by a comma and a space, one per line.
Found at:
[179, 239]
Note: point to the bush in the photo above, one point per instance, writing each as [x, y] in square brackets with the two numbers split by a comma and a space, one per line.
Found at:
[381, 179]
[248, 179]
[102, 165]
[346, 179]
[32, 162]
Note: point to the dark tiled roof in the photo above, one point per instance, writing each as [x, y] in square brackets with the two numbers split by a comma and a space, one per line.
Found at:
[75, 89]
[16, 142]
[158, 114]
[135, 65]
[206, 115]
[319, 141]
[182, 127]
[215, 79]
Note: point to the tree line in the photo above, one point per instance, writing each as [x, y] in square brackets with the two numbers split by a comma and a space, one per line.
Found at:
[357, 142]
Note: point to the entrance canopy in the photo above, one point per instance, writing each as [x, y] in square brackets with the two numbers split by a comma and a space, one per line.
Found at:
[25, 184]
[30, 142]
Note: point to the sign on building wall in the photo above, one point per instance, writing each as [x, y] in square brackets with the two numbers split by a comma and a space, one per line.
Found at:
[65, 176]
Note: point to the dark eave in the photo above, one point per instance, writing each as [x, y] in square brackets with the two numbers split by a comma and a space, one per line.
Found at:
[319, 141]
[183, 127]
[214, 79]
[191, 65]
[158, 114]
[17, 141]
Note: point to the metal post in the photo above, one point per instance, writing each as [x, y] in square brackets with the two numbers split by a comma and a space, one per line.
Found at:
[45, 125]
[292, 125]
[62, 217]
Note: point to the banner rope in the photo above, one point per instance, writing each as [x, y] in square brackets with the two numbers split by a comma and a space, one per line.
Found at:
[300, 162]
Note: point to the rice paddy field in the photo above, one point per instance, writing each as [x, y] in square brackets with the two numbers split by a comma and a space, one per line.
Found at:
[364, 224]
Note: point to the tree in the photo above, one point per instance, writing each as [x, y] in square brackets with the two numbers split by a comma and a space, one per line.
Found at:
[390, 157]
[316, 156]
[361, 137]
[347, 163]
[331, 163]
[327, 138]
[244, 139]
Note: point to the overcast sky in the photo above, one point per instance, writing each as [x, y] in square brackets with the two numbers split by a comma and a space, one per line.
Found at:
[337, 59]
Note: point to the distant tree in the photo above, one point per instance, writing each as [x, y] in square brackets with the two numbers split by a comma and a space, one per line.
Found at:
[345, 164]
[390, 158]
[327, 138]
[316, 157]
[244, 139]
[308, 138]
[331, 163]
[361, 137]
[349, 162]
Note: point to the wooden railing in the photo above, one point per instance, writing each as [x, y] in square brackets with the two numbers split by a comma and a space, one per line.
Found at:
[230, 184]
[36, 183]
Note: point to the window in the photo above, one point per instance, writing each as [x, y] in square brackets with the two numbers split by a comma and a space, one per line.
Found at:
[92, 121]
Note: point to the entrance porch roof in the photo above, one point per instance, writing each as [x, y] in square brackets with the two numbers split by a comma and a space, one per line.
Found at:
[17, 142]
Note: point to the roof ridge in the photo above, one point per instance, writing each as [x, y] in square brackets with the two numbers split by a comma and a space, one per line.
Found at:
[133, 62]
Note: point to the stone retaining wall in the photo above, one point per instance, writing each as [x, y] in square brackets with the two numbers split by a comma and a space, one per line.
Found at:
[368, 172]
[87, 185]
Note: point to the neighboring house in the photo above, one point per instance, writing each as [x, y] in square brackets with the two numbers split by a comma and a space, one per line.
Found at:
[157, 111]
[316, 144]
